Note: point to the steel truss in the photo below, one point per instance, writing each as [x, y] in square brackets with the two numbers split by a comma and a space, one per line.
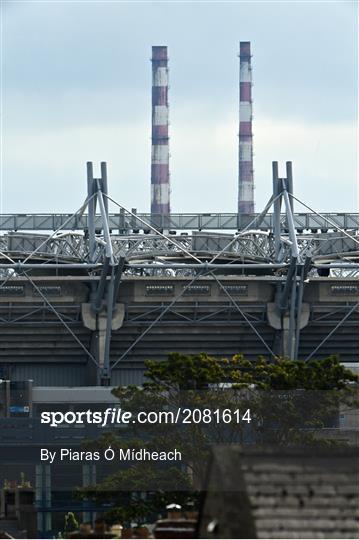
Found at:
[268, 244]
[125, 223]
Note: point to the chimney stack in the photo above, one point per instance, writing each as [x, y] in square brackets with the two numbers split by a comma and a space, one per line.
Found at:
[245, 169]
[160, 177]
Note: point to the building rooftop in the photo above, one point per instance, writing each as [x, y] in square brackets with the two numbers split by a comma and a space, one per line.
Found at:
[282, 494]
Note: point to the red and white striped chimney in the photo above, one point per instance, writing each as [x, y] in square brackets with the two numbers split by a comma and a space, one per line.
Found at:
[245, 169]
[160, 176]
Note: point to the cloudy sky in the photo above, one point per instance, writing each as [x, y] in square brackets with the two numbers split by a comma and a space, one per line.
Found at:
[76, 86]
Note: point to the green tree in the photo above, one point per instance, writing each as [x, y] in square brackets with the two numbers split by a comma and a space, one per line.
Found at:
[71, 523]
[289, 402]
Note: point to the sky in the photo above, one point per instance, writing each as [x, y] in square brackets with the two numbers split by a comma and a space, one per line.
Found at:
[76, 87]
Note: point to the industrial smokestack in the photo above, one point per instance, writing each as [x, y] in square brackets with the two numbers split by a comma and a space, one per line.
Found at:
[160, 176]
[245, 169]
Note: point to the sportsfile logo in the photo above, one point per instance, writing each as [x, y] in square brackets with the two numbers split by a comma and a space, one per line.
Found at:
[102, 418]
[117, 416]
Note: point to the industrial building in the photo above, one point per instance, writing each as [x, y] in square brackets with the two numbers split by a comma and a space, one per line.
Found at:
[86, 298]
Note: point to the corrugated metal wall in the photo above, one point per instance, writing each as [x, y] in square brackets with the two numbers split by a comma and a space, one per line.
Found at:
[126, 376]
[50, 375]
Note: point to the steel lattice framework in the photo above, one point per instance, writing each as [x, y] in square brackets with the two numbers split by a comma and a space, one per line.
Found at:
[105, 249]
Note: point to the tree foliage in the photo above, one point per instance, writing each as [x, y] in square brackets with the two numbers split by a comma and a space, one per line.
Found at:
[290, 403]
